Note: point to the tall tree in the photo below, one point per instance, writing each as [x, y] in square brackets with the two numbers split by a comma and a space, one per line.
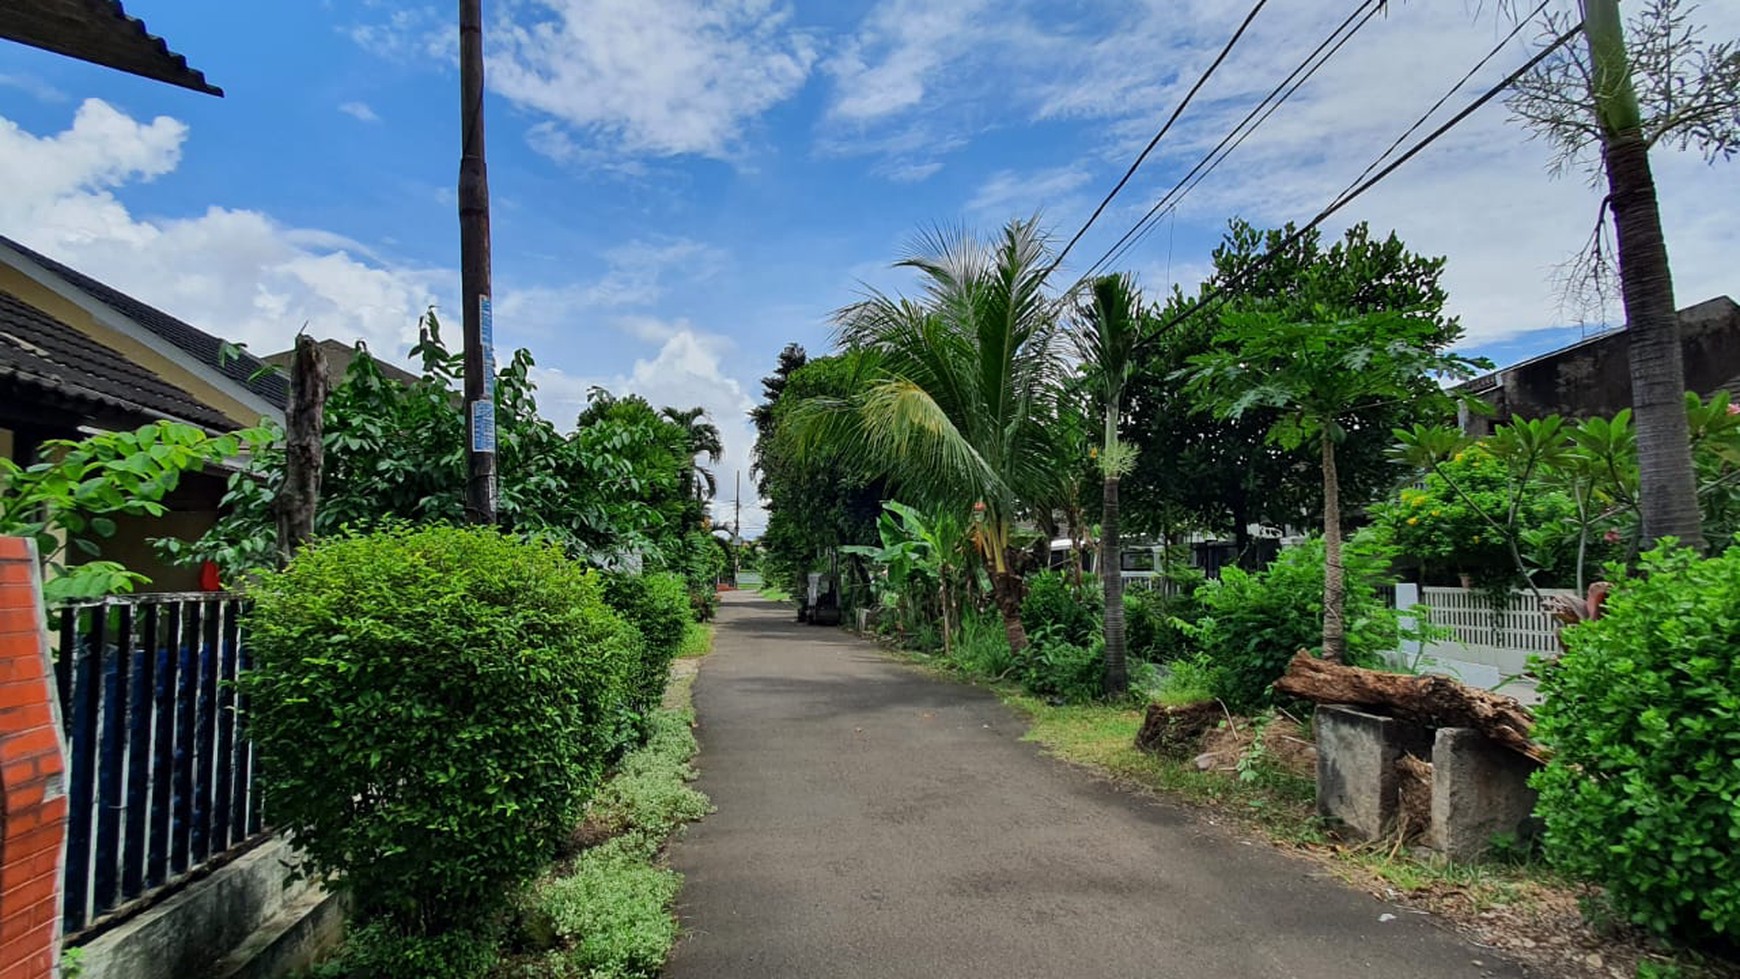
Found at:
[1202, 471]
[1317, 376]
[704, 441]
[1690, 98]
[1108, 336]
[960, 388]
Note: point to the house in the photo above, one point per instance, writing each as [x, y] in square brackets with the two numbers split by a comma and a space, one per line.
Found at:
[1593, 377]
[77, 355]
[338, 356]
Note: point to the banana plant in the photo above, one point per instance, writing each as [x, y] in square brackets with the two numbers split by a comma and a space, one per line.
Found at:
[922, 559]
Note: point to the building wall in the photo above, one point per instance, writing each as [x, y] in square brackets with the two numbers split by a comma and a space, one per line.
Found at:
[45, 299]
[1593, 378]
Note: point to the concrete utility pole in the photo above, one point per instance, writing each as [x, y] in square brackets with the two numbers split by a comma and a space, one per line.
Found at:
[737, 531]
[474, 273]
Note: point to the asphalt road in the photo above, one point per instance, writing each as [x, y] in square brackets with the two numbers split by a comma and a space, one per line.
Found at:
[873, 821]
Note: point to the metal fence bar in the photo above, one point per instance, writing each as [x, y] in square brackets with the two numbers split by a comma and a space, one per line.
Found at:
[168, 658]
[205, 761]
[223, 804]
[186, 696]
[112, 757]
[143, 655]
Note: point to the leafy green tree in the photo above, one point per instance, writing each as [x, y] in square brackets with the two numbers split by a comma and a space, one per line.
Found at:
[1197, 469]
[1317, 376]
[699, 483]
[1109, 336]
[69, 500]
[959, 391]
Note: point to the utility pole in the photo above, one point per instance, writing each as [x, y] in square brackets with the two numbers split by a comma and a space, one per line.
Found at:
[474, 273]
[737, 531]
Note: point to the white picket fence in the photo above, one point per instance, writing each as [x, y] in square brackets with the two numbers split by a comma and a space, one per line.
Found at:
[1487, 647]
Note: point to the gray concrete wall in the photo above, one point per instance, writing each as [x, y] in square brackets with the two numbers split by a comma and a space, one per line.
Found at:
[187, 935]
[1357, 784]
[1480, 791]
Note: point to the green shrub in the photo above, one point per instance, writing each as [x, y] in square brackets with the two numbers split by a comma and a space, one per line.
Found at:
[1054, 604]
[981, 648]
[378, 951]
[611, 917]
[1643, 717]
[1253, 623]
[1053, 667]
[1189, 680]
[658, 606]
[1151, 617]
[431, 708]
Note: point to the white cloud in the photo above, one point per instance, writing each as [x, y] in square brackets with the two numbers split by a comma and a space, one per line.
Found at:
[234, 273]
[634, 278]
[897, 54]
[359, 111]
[909, 173]
[34, 87]
[660, 77]
[1007, 194]
[685, 372]
[410, 33]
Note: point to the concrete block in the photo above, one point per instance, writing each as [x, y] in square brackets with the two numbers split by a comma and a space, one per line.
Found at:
[1479, 791]
[187, 933]
[1357, 784]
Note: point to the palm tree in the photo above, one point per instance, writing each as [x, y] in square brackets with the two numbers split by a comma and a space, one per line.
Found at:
[958, 390]
[699, 483]
[1108, 337]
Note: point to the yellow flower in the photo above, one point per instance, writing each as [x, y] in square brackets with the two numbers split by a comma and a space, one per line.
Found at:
[1476, 538]
[1436, 513]
[1459, 455]
[1413, 520]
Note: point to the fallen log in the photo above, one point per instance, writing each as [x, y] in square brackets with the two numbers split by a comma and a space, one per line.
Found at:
[1429, 701]
[1177, 731]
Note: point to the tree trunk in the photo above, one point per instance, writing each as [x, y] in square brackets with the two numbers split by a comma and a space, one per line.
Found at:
[1117, 679]
[303, 455]
[1334, 587]
[1429, 701]
[1177, 731]
[1006, 591]
[1667, 481]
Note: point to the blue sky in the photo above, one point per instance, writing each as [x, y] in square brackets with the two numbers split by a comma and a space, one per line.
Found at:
[683, 186]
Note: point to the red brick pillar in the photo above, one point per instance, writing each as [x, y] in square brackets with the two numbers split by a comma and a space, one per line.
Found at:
[32, 790]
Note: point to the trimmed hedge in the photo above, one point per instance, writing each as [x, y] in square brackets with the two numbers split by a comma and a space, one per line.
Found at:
[431, 708]
[658, 606]
[1642, 712]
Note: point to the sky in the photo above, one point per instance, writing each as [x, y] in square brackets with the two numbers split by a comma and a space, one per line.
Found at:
[681, 187]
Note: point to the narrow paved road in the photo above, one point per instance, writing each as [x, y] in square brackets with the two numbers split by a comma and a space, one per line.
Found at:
[875, 822]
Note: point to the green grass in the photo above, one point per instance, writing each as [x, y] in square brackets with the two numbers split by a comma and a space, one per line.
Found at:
[774, 593]
[697, 641]
[609, 915]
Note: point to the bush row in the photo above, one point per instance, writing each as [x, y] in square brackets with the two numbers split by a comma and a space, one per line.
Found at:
[433, 707]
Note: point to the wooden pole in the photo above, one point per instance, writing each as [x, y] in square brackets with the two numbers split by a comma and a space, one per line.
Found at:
[480, 485]
[303, 454]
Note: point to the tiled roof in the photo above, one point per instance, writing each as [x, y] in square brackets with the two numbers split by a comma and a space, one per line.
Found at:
[41, 351]
[101, 32]
[243, 368]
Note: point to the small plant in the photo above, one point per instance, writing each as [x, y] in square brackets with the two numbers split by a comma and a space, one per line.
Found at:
[379, 951]
[982, 647]
[611, 917]
[1051, 666]
[72, 963]
[1053, 604]
[1187, 681]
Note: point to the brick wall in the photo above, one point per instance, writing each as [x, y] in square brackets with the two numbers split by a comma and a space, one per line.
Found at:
[32, 793]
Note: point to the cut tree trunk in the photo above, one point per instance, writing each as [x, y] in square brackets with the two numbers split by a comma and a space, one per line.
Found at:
[1007, 590]
[1429, 701]
[303, 454]
[1177, 731]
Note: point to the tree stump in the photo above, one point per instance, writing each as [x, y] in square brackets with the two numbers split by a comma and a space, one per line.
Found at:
[1177, 731]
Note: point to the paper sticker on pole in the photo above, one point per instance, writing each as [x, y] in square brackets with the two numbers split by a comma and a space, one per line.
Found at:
[483, 426]
[486, 340]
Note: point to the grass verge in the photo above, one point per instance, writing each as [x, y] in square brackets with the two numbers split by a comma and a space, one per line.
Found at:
[608, 913]
[774, 593]
[697, 641]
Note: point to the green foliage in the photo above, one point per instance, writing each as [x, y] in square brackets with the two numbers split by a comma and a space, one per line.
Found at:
[612, 913]
[1253, 622]
[1151, 616]
[650, 792]
[378, 951]
[658, 606]
[1190, 680]
[1054, 667]
[1199, 470]
[431, 707]
[1053, 604]
[1642, 713]
[69, 501]
[981, 648]
[622, 482]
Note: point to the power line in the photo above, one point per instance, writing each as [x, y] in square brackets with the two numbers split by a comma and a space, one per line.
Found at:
[1302, 73]
[1349, 196]
[1176, 112]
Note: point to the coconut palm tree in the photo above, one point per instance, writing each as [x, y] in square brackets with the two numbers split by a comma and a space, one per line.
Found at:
[699, 483]
[958, 388]
[1108, 336]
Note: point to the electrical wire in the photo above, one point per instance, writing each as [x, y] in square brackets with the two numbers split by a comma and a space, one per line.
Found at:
[1176, 112]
